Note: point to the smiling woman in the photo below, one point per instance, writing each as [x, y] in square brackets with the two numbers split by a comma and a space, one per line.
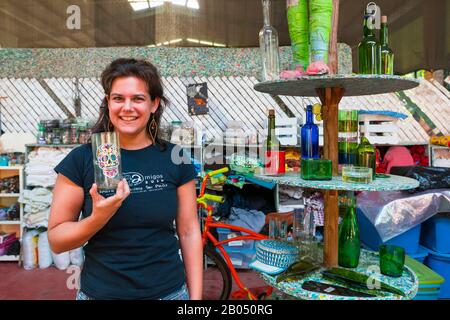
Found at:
[133, 103]
[132, 249]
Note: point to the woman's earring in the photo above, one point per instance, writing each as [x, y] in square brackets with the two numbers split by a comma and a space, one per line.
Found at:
[153, 130]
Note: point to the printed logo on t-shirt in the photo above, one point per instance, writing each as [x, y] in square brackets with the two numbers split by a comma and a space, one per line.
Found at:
[139, 183]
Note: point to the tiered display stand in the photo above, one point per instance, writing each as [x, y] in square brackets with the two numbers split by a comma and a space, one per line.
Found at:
[330, 90]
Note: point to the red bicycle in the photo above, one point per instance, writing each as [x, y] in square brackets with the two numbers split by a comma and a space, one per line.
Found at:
[218, 268]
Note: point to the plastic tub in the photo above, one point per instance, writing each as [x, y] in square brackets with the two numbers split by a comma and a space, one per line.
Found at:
[409, 240]
[224, 234]
[420, 255]
[435, 234]
[429, 281]
[440, 263]
[240, 256]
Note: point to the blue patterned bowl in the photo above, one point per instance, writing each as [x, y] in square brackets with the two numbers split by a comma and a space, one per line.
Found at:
[273, 257]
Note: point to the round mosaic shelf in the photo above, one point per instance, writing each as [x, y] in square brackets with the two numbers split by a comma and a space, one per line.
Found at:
[392, 183]
[354, 85]
[369, 265]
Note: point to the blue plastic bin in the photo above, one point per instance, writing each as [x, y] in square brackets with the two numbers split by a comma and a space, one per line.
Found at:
[420, 255]
[409, 240]
[225, 233]
[440, 263]
[240, 256]
[435, 234]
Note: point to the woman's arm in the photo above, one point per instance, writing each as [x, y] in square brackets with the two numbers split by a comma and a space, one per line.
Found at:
[188, 230]
[65, 232]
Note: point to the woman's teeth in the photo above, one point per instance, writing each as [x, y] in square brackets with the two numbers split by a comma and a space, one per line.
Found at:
[128, 118]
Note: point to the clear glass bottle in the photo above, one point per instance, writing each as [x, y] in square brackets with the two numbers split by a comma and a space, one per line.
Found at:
[387, 55]
[268, 42]
[349, 241]
[369, 50]
[310, 137]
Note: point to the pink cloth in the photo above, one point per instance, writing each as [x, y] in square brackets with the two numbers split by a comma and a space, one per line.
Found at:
[397, 157]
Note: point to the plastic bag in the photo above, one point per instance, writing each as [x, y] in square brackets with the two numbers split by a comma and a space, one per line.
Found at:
[44, 251]
[61, 260]
[428, 177]
[77, 257]
[30, 247]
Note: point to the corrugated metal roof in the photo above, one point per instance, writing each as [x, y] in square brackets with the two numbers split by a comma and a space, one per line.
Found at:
[230, 98]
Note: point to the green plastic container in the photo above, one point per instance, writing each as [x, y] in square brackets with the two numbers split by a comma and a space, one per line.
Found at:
[429, 281]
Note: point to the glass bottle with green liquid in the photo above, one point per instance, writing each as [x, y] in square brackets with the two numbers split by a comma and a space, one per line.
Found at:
[369, 49]
[387, 55]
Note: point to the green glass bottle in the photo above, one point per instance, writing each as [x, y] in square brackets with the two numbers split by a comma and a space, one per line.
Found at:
[369, 50]
[349, 242]
[272, 143]
[366, 155]
[274, 161]
[387, 55]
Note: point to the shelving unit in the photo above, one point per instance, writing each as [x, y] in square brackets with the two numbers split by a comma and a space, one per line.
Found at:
[6, 200]
[31, 147]
[330, 89]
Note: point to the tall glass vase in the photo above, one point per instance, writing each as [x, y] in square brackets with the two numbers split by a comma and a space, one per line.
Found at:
[268, 42]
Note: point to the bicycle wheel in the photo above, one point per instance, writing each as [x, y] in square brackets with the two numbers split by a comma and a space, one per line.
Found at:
[217, 279]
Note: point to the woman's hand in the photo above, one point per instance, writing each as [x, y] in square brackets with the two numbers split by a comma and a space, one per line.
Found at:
[104, 208]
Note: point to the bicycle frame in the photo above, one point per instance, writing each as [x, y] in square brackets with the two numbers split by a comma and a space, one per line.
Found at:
[207, 235]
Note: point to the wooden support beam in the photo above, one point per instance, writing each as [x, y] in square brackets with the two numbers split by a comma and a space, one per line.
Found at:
[330, 98]
[331, 229]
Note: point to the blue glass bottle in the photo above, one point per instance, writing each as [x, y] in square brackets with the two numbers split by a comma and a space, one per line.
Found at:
[310, 137]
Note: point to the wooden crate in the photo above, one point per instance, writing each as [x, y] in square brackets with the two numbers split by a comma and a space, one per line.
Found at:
[379, 129]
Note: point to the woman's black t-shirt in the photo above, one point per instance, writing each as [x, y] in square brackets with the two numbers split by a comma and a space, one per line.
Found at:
[136, 254]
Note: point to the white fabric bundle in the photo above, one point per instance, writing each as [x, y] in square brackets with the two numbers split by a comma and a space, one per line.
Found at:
[77, 257]
[61, 260]
[41, 162]
[29, 246]
[44, 251]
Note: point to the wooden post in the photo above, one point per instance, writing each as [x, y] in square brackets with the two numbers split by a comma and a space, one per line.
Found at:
[333, 49]
[331, 232]
[330, 98]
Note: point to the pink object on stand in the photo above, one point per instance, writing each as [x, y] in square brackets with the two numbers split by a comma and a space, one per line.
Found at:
[293, 74]
[397, 157]
[317, 68]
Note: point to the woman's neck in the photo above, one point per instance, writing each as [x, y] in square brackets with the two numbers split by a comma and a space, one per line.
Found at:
[134, 142]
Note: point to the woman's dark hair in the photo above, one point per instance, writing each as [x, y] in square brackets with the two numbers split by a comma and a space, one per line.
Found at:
[141, 69]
